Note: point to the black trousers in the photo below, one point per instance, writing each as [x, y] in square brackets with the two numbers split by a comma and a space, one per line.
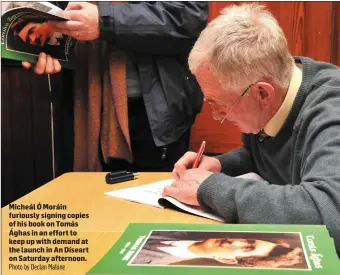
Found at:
[146, 155]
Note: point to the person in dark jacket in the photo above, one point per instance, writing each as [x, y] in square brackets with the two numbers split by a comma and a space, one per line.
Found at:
[288, 110]
[163, 96]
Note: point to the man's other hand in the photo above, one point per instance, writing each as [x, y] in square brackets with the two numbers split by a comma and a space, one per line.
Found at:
[46, 64]
[184, 163]
[197, 174]
[83, 23]
[183, 191]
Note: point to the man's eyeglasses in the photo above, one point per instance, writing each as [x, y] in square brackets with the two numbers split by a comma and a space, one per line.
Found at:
[216, 114]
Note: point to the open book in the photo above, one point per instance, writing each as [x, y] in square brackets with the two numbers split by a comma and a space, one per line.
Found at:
[151, 194]
[26, 32]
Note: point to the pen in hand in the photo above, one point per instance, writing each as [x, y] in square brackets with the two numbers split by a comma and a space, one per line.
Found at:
[199, 155]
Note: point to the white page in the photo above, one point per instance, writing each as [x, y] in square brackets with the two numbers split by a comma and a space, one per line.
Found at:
[151, 194]
[191, 209]
[146, 194]
[43, 6]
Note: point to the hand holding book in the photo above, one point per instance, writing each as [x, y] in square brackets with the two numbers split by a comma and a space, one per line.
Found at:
[83, 23]
[45, 64]
[28, 35]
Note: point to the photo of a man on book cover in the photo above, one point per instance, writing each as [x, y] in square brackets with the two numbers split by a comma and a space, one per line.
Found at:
[33, 34]
[223, 249]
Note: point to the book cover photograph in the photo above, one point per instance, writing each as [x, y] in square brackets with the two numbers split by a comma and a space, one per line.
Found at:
[229, 249]
[26, 32]
[222, 249]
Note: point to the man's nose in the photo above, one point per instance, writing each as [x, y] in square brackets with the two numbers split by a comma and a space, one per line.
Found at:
[219, 114]
[239, 244]
[38, 41]
[216, 116]
[32, 38]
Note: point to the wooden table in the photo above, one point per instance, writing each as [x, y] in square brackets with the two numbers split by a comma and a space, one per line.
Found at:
[83, 193]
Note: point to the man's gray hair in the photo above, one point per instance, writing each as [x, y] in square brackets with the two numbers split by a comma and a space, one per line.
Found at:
[242, 46]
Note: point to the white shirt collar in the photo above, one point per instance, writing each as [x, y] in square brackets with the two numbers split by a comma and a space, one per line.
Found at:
[275, 123]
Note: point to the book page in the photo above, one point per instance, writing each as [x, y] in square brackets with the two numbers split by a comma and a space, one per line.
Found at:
[151, 194]
[196, 210]
[42, 6]
[146, 194]
[4, 7]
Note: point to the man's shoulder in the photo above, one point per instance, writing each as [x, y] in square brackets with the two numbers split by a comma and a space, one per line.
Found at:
[319, 73]
[320, 90]
[327, 78]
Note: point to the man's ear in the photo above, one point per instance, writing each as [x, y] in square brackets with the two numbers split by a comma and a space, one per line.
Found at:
[265, 93]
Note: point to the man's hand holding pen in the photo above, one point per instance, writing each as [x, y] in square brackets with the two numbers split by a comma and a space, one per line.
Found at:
[188, 180]
[185, 163]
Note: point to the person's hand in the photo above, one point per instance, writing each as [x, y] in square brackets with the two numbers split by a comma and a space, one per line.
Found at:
[45, 64]
[197, 174]
[184, 163]
[183, 191]
[83, 23]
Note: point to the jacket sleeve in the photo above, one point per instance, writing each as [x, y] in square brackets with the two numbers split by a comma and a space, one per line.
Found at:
[238, 161]
[315, 200]
[155, 28]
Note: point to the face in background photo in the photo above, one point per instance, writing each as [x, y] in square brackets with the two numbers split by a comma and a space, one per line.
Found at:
[32, 34]
[229, 249]
[34, 31]
[236, 252]
[249, 253]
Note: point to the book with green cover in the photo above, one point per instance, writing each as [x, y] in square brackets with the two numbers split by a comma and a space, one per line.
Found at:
[26, 32]
[173, 249]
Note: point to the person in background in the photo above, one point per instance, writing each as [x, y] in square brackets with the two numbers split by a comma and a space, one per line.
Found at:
[288, 111]
[163, 96]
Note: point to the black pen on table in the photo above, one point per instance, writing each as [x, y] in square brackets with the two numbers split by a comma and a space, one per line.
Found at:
[120, 176]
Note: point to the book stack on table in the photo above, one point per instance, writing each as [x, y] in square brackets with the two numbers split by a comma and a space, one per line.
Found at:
[221, 249]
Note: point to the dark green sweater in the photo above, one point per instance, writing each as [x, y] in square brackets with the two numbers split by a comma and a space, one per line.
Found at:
[301, 164]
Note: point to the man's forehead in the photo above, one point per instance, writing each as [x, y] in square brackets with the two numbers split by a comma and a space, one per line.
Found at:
[204, 68]
[206, 74]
